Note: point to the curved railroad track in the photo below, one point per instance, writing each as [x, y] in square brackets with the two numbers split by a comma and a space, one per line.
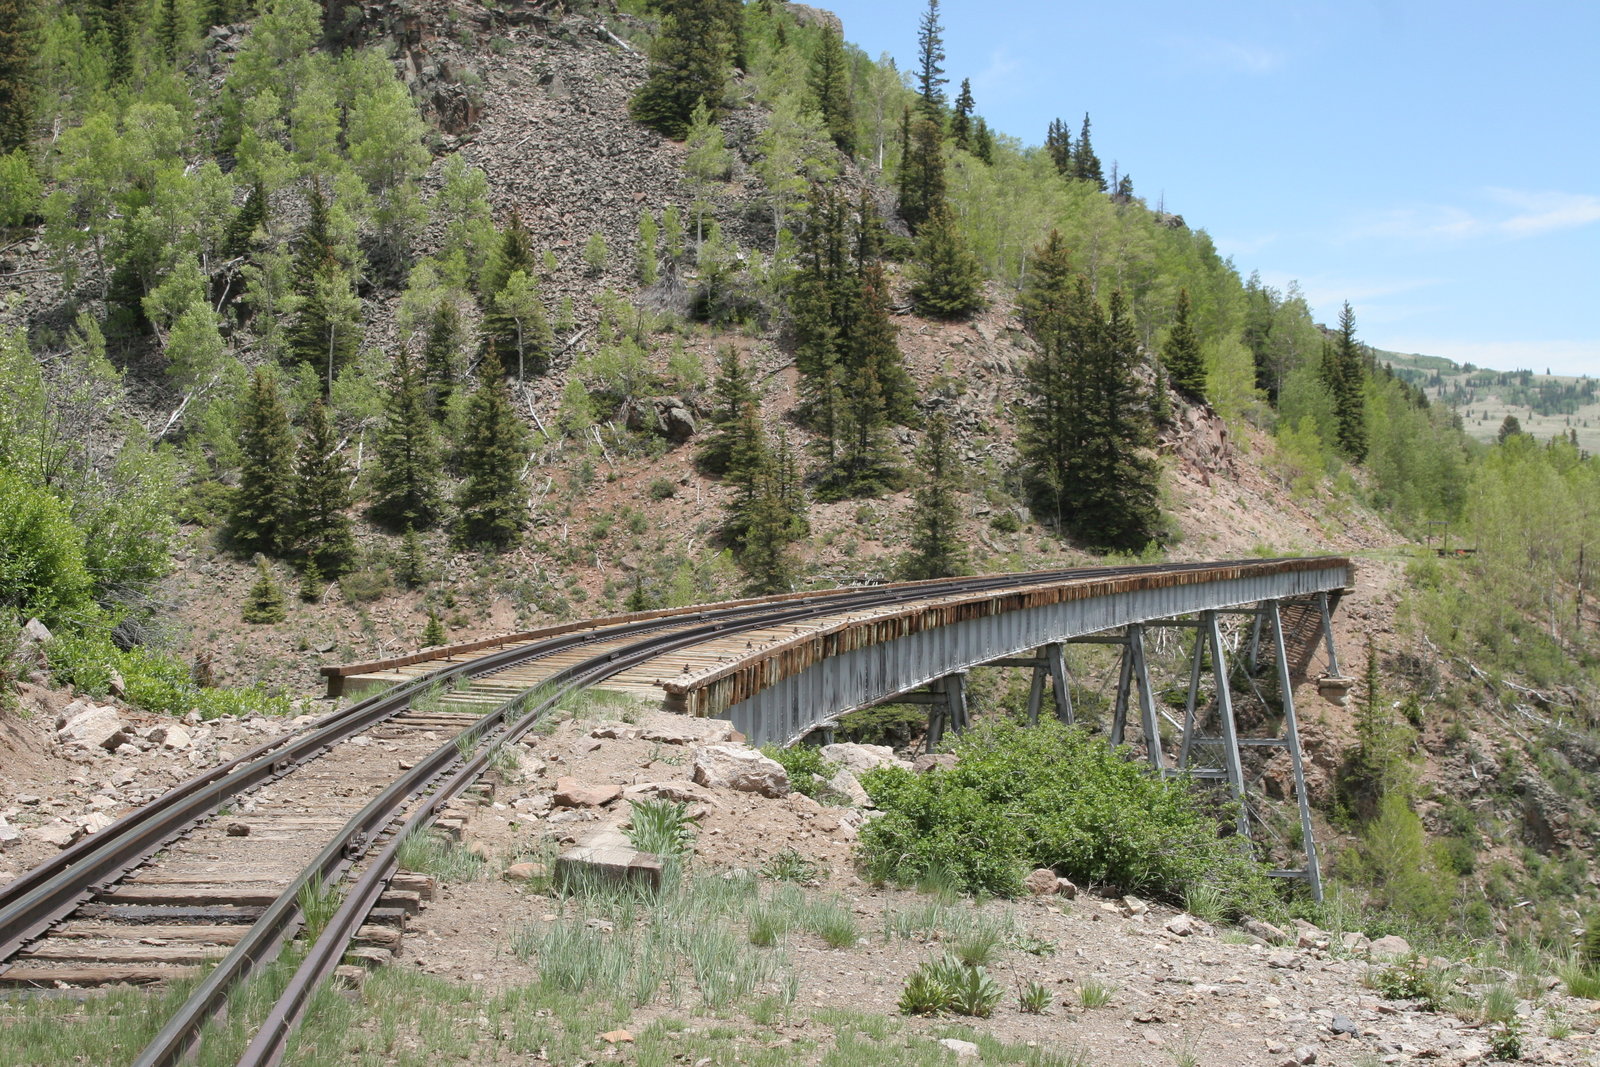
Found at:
[178, 888]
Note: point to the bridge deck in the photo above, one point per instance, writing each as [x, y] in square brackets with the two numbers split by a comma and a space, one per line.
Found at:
[780, 682]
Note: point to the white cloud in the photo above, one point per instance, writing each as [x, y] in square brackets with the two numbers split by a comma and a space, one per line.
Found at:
[1510, 213]
[1237, 56]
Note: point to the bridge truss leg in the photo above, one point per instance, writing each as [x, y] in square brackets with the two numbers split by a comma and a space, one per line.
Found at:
[1312, 873]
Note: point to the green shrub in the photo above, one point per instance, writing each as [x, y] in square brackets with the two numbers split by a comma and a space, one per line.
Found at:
[42, 568]
[948, 985]
[662, 489]
[808, 771]
[1414, 979]
[152, 680]
[1005, 522]
[1051, 796]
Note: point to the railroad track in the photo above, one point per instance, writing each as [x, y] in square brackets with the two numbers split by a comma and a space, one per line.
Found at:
[181, 884]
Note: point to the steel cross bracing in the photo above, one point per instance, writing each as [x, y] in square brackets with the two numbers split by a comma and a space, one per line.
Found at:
[1208, 742]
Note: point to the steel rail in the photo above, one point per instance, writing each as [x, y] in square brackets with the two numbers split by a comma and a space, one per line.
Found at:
[44, 895]
[264, 938]
[271, 1040]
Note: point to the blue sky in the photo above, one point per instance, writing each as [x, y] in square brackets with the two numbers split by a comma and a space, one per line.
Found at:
[1436, 164]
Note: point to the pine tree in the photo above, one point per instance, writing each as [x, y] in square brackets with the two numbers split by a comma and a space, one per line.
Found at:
[405, 488]
[18, 38]
[1086, 430]
[749, 464]
[413, 559]
[441, 358]
[1181, 355]
[326, 329]
[264, 603]
[983, 143]
[731, 395]
[247, 221]
[768, 559]
[1058, 144]
[311, 582]
[492, 502]
[322, 495]
[262, 512]
[697, 43]
[433, 634]
[516, 323]
[947, 282]
[830, 89]
[961, 119]
[922, 184]
[1344, 372]
[169, 30]
[872, 340]
[513, 253]
[1085, 164]
[936, 547]
[930, 72]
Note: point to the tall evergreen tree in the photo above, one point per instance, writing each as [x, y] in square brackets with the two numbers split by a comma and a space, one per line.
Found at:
[247, 222]
[322, 496]
[1058, 144]
[930, 69]
[492, 502]
[1087, 429]
[947, 282]
[768, 558]
[731, 395]
[1185, 363]
[262, 515]
[18, 41]
[830, 89]
[1344, 372]
[689, 63]
[326, 328]
[514, 252]
[922, 184]
[1085, 164]
[983, 142]
[961, 119]
[749, 468]
[441, 357]
[936, 550]
[516, 323]
[405, 489]
[170, 29]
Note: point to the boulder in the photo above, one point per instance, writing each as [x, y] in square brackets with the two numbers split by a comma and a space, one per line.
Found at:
[1391, 946]
[741, 768]
[90, 725]
[615, 731]
[859, 759]
[524, 872]
[9, 835]
[1041, 883]
[1066, 888]
[845, 788]
[929, 760]
[31, 642]
[1355, 941]
[963, 1050]
[171, 736]
[1265, 931]
[683, 792]
[570, 793]
[1184, 925]
[95, 821]
[57, 833]
[1133, 906]
[686, 731]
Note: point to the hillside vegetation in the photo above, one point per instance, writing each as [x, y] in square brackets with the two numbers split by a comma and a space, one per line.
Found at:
[329, 329]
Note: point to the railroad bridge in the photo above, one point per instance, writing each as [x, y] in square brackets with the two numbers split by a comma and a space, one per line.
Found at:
[916, 642]
[780, 668]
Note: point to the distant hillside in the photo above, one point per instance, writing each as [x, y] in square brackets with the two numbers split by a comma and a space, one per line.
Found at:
[1543, 404]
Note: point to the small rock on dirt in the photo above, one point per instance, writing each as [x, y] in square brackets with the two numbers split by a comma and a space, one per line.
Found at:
[739, 767]
[58, 833]
[524, 872]
[1133, 906]
[1041, 882]
[570, 793]
[964, 1050]
[9, 835]
[1183, 925]
[1390, 946]
[617, 1037]
[238, 829]
[88, 724]
[1265, 931]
